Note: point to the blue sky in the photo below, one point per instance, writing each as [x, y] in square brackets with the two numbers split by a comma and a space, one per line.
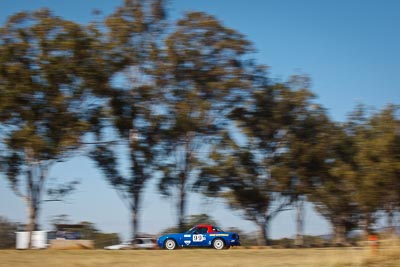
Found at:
[349, 48]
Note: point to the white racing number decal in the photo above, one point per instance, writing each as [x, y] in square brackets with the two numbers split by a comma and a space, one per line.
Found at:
[198, 238]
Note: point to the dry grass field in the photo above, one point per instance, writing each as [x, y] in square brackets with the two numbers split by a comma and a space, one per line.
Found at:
[329, 257]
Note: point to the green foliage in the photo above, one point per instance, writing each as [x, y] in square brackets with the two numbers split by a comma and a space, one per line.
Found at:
[131, 42]
[43, 79]
[190, 106]
[7, 233]
[48, 74]
[377, 140]
[264, 175]
[201, 67]
[333, 189]
[361, 171]
[59, 219]
[246, 239]
[102, 240]
[309, 241]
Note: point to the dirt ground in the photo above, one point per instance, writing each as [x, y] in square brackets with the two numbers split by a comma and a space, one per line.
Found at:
[204, 257]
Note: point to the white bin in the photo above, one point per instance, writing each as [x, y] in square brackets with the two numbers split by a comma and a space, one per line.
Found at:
[39, 240]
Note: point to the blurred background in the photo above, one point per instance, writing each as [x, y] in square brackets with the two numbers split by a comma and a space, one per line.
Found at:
[277, 119]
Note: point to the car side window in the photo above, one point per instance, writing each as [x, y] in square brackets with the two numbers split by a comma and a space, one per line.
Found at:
[193, 231]
[202, 230]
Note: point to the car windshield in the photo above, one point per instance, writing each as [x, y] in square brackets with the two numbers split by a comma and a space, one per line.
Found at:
[217, 229]
[190, 230]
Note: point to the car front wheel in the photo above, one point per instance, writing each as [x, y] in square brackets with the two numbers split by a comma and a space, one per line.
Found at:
[170, 244]
[218, 243]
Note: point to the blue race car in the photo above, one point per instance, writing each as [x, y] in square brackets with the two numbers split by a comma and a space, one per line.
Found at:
[202, 235]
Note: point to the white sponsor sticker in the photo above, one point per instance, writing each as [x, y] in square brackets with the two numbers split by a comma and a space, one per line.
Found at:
[187, 242]
[186, 236]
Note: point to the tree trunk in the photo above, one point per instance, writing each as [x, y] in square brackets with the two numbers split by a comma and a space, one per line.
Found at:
[391, 224]
[134, 214]
[35, 176]
[366, 232]
[181, 208]
[182, 188]
[31, 202]
[300, 222]
[340, 232]
[366, 225]
[138, 178]
[32, 220]
[264, 229]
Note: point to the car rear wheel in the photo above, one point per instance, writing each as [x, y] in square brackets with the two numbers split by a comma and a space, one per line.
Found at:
[218, 243]
[170, 244]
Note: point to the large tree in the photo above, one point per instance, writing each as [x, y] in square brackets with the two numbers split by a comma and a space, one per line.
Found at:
[332, 190]
[247, 169]
[377, 138]
[361, 171]
[131, 38]
[47, 74]
[303, 159]
[203, 63]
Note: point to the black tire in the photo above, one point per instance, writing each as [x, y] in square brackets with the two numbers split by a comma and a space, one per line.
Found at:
[218, 244]
[170, 244]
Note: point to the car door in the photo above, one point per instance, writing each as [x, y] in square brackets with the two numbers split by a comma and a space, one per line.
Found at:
[188, 236]
[199, 237]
